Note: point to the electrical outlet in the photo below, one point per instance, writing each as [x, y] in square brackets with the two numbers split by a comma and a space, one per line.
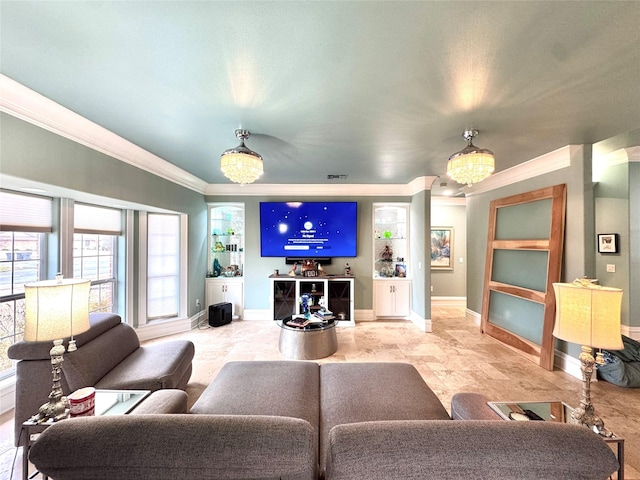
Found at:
[611, 268]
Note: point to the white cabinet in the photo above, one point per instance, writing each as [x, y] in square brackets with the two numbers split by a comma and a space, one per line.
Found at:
[391, 298]
[222, 290]
[390, 240]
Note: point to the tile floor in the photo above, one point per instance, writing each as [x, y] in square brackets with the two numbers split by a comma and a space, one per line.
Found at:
[454, 357]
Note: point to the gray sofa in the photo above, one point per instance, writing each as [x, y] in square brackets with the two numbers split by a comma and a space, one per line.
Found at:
[109, 356]
[303, 421]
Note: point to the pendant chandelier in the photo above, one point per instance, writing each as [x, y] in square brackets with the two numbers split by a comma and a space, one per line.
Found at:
[471, 164]
[241, 164]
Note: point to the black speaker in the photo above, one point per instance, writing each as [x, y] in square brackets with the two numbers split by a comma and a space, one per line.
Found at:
[219, 314]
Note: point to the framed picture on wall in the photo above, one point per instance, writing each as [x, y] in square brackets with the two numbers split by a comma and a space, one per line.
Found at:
[442, 248]
[608, 243]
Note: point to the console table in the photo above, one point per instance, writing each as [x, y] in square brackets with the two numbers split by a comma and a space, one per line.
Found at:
[336, 290]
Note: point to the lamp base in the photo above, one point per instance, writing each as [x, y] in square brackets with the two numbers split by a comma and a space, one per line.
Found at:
[585, 414]
[57, 408]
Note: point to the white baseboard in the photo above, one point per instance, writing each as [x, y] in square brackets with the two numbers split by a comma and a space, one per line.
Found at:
[424, 324]
[163, 328]
[631, 332]
[454, 301]
[569, 364]
[7, 394]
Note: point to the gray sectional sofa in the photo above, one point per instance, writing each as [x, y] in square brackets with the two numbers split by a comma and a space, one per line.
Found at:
[109, 356]
[304, 421]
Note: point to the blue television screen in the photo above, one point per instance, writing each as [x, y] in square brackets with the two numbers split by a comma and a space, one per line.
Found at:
[308, 229]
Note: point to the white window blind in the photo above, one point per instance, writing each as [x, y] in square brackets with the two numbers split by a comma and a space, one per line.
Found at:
[25, 213]
[93, 219]
[163, 265]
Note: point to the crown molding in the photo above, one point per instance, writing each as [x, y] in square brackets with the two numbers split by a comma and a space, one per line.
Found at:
[547, 163]
[22, 102]
[337, 190]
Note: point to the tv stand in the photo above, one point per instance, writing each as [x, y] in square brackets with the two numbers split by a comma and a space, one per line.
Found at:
[337, 291]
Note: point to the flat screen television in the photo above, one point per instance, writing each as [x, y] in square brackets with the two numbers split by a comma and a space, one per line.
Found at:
[308, 229]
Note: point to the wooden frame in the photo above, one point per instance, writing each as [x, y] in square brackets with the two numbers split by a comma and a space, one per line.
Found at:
[442, 248]
[608, 243]
[542, 354]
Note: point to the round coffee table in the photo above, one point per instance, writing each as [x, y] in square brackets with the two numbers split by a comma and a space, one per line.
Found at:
[311, 342]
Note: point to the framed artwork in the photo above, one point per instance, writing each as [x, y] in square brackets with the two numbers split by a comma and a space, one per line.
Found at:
[442, 248]
[608, 243]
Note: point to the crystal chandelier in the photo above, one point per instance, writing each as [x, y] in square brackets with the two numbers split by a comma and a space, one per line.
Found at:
[471, 164]
[241, 164]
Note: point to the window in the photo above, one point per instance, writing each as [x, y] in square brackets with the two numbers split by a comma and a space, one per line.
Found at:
[163, 266]
[24, 221]
[95, 253]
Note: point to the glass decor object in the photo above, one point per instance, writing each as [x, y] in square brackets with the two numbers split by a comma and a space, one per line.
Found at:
[241, 164]
[471, 164]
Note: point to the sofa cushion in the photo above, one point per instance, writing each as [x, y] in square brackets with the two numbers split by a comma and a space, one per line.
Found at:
[158, 447]
[288, 389]
[95, 359]
[362, 392]
[162, 401]
[151, 367]
[482, 450]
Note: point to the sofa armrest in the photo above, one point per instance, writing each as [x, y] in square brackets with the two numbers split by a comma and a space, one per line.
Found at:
[157, 447]
[462, 450]
[471, 406]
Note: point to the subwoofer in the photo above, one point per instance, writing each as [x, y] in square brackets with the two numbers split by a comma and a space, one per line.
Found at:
[219, 314]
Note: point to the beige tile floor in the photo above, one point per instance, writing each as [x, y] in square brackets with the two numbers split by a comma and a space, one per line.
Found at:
[455, 357]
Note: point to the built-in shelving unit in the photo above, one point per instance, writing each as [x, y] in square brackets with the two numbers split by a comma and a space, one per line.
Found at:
[225, 268]
[391, 284]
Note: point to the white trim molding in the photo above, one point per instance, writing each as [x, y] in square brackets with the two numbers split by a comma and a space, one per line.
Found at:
[547, 163]
[30, 106]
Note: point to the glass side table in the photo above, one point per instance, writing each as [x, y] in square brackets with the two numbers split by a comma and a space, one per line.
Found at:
[550, 412]
[108, 402]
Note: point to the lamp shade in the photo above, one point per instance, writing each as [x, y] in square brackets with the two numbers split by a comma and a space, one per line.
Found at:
[588, 315]
[56, 309]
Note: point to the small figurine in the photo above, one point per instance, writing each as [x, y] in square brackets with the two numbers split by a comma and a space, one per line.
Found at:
[292, 272]
[320, 270]
[347, 270]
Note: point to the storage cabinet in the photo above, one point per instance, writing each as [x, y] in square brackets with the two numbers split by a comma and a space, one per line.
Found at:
[392, 298]
[219, 290]
[336, 291]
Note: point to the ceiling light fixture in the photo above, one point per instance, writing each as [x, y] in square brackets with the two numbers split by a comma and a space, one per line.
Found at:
[241, 164]
[471, 164]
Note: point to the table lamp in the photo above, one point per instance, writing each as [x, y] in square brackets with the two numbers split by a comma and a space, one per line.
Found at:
[56, 309]
[589, 315]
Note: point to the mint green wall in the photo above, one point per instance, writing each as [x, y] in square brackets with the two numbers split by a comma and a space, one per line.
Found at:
[451, 283]
[420, 244]
[257, 269]
[579, 228]
[30, 152]
[617, 200]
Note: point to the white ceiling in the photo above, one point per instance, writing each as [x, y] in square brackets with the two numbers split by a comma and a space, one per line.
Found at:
[378, 91]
